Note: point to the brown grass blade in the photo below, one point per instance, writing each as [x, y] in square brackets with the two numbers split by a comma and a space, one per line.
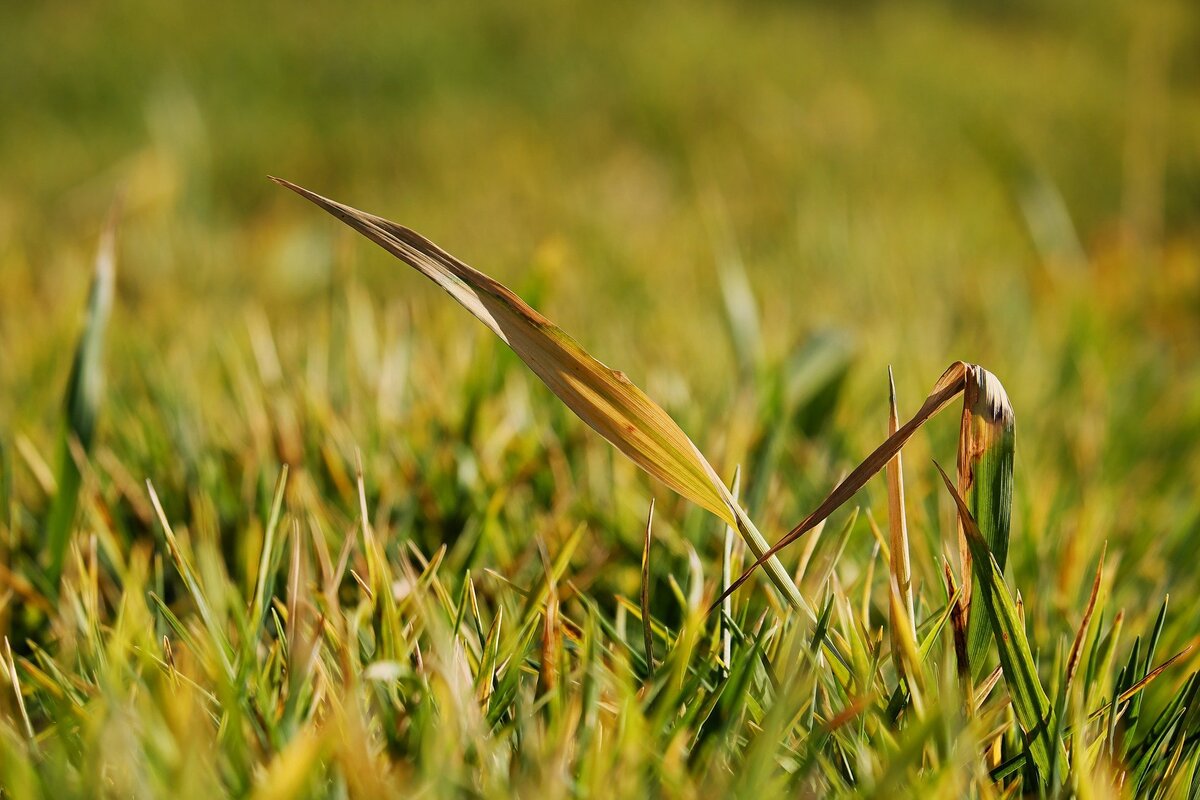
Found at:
[958, 624]
[1077, 645]
[603, 398]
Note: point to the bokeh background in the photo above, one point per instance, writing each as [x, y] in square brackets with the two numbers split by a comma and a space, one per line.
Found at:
[1013, 184]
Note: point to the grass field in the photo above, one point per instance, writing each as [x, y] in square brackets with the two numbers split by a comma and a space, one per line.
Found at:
[321, 534]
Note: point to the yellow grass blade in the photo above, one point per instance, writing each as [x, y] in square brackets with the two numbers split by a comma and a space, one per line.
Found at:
[603, 398]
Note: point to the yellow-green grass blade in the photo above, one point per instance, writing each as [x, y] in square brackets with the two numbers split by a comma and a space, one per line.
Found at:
[603, 398]
[81, 406]
[898, 534]
[986, 446]
[647, 632]
[1029, 699]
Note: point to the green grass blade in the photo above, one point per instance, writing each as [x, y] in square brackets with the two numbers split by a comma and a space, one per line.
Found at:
[985, 480]
[81, 406]
[1029, 699]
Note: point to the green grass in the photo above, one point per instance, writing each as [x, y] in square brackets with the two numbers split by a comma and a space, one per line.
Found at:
[329, 538]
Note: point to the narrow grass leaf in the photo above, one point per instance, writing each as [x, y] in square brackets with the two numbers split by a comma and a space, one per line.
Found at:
[726, 577]
[1029, 699]
[81, 408]
[986, 445]
[945, 390]
[647, 632]
[603, 398]
[933, 628]
[898, 531]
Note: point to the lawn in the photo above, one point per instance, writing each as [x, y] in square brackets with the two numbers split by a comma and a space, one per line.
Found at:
[282, 520]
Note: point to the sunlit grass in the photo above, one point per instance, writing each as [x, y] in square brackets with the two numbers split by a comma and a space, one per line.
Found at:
[330, 538]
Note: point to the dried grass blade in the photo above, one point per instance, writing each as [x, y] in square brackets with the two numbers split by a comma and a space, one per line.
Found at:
[958, 624]
[1081, 634]
[603, 398]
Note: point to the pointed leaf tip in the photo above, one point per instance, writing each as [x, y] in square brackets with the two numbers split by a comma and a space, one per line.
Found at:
[605, 399]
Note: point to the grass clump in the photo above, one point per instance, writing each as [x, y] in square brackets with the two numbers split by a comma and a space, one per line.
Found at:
[345, 658]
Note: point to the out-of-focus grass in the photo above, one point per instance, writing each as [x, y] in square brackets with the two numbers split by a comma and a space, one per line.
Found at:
[1016, 187]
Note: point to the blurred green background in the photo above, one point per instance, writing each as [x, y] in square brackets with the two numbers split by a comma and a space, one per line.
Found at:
[1009, 184]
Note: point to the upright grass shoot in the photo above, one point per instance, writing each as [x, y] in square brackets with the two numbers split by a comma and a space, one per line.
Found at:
[81, 407]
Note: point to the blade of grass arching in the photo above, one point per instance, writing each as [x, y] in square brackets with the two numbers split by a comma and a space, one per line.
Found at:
[603, 398]
[898, 532]
[1030, 703]
[986, 446]
[82, 401]
[945, 390]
